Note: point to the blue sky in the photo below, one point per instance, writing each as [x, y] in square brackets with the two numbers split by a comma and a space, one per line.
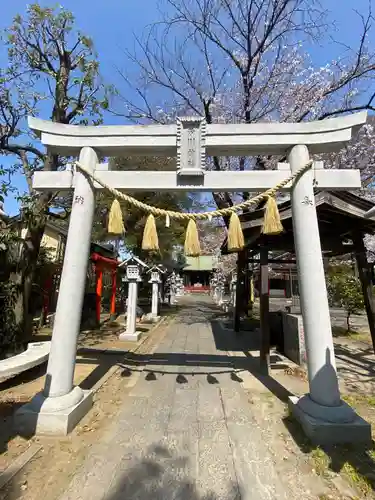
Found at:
[112, 24]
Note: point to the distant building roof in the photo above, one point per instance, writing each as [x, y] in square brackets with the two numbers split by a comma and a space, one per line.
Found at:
[104, 249]
[201, 263]
[340, 213]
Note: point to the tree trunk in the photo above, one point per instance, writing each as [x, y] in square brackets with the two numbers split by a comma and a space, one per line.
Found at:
[20, 313]
[23, 275]
[23, 279]
[348, 322]
[8, 334]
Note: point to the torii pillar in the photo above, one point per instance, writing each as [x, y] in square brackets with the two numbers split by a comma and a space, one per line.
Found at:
[61, 405]
[322, 413]
[325, 418]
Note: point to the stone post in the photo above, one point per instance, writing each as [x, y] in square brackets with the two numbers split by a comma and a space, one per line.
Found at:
[220, 294]
[322, 406]
[172, 294]
[233, 290]
[155, 281]
[131, 313]
[179, 286]
[61, 406]
[215, 291]
[155, 299]
[172, 289]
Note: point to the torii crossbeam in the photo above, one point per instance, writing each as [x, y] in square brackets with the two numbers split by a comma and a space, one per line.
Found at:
[323, 415]
[189, 142]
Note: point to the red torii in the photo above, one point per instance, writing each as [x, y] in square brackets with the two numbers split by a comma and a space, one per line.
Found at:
[101, 264]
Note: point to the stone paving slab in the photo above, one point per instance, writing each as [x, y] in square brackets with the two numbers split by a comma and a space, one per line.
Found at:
[180, 436]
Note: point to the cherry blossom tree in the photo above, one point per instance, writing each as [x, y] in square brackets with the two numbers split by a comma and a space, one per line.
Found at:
[211, 236]
[359, 153]
[244, 61]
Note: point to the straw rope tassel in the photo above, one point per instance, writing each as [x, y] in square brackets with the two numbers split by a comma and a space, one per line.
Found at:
[115, 221]
[150, 240]
[236, 240]
[272, 223]
[192, 245]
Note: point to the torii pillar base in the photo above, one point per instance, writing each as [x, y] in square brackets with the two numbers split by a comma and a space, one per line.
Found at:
[53, 416]
[330, 425]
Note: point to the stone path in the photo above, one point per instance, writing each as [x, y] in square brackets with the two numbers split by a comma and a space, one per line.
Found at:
[186, 430]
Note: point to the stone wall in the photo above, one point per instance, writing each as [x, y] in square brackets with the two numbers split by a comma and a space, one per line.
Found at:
[294, 338]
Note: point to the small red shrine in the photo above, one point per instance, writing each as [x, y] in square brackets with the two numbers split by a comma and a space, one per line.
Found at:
[101, 265]
[104, 261]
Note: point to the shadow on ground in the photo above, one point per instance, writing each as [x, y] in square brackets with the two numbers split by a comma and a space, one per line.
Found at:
[161, 475]
[355, 461]
[358, 359]
[10, 402]
[208, 365]
[11, 399]
[106, 332]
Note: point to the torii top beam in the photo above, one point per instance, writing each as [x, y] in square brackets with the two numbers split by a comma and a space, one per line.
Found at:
[215, 139]
[190, 141]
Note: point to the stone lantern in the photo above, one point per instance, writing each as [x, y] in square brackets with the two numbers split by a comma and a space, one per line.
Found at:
[217, 283]
[214, 288]
[220, 293]
[133, 267]
[179, 286]
[172, 288]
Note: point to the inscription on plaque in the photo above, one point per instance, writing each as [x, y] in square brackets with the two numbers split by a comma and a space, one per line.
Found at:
[191, 147]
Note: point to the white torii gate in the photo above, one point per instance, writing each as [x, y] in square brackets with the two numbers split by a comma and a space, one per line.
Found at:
[322, 413]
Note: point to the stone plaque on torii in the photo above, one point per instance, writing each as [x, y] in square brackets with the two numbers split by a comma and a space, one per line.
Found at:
[321, 412]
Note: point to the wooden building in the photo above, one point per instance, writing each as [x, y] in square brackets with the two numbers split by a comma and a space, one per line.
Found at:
[197, 272]
[282, 278]
[342, 226]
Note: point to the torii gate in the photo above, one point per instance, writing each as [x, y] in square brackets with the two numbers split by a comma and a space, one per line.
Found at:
[322, 413]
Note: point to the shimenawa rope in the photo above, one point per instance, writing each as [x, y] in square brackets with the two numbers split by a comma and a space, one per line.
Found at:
[199, 215]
